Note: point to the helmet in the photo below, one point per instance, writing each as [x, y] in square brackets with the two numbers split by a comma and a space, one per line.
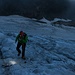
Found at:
[21, 33]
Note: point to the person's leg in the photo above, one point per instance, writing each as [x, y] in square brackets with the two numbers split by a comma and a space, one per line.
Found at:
[23, 50]
[18, 48]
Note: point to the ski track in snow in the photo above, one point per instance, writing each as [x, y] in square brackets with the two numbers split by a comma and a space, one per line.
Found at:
[50, 50]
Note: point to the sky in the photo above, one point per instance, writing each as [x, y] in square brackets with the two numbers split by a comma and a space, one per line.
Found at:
[8, 7]
[36, 8]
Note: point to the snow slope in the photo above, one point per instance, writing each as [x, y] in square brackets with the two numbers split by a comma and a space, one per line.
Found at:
[50, 49]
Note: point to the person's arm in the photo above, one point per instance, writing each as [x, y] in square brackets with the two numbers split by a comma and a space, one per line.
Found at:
[16, 38]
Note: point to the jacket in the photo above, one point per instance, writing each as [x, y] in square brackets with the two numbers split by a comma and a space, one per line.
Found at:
[21, 39]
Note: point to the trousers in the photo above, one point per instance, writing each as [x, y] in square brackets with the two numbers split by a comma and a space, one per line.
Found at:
[23, 48]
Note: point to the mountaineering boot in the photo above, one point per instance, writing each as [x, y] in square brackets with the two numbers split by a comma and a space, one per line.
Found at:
[23, 57]
[19, 53]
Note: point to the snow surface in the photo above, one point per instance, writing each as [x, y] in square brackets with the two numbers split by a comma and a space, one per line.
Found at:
[58, 19]
[50, 50]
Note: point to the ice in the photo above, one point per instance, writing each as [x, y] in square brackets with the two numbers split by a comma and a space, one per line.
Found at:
[50, 50]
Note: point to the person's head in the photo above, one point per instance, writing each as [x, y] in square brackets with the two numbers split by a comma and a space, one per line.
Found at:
[21, 33]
